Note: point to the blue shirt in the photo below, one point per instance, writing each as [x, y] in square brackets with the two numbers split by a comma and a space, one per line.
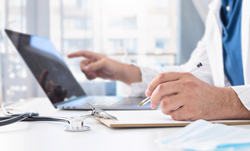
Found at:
[230, 14]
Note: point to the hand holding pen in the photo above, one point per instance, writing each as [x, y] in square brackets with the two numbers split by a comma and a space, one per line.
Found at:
[147, 100]
[194, 98]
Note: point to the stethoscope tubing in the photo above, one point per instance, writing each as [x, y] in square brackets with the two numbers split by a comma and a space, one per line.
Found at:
[75, 123]
[14, 119]
[25, 118]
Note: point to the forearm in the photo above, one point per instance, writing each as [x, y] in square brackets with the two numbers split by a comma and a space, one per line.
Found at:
[129, 74]
[226, 105]
[236, 109]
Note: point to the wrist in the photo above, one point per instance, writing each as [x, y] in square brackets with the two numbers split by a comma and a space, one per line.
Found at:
[235, 108]
[129, 74]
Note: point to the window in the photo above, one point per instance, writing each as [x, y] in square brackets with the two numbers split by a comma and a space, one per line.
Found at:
[15, 75]
[74, 44]
[133, 31]
[117, 29]
[161, 45]
[159, 21]
[77, 23]
[159, 3]
[81, 4]
[123, 22]
[123, 45]
[114, 27]
[161, 63]
[16, 14]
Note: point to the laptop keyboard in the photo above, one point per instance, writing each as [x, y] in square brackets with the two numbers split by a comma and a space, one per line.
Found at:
[100, 101]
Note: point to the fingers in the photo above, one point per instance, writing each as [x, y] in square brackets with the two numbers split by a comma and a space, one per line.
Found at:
[90, 69]
[103, 75]
[86, 54]
[171, 103]
[94, 66]
[180, 114]
[162, 90]
[162, 78]
[42, 78]
[83, 53]
[89, 74]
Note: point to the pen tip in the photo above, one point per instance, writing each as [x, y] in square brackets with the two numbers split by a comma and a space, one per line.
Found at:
[140, 104]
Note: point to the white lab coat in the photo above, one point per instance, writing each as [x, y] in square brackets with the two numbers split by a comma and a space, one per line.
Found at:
[209, 51]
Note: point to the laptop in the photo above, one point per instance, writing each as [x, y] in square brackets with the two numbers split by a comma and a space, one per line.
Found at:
[57, 81]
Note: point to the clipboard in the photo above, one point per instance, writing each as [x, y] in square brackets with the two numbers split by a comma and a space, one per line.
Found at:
[165, 122]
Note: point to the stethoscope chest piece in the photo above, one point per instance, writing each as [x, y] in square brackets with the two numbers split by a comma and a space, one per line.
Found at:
[76, 124]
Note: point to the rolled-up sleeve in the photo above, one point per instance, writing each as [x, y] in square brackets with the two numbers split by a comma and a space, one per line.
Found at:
[138, 89]
[243, 94]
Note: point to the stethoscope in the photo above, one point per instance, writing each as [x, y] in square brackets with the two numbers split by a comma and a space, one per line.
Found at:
[75, 124]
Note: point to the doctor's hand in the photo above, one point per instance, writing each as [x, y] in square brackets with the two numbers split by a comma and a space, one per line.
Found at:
[97, 65]
[185, 97]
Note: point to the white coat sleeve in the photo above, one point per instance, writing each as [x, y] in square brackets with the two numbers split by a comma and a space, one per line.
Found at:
[198, 55]
[243, 94]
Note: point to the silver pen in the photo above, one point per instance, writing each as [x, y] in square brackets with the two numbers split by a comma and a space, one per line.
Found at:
[145, 101]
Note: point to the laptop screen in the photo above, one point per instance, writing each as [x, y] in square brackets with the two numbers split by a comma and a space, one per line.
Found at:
[48, 66]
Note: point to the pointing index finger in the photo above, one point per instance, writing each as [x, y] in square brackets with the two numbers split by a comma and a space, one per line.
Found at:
[83, 53]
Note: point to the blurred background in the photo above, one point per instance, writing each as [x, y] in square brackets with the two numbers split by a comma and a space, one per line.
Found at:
[153, 33]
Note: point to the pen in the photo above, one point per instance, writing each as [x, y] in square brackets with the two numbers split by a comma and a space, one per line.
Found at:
[145, 101]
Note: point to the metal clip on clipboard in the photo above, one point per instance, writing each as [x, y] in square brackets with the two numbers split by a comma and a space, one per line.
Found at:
[97, 112]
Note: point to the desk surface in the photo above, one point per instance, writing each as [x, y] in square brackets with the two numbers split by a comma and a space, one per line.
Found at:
[45, 136]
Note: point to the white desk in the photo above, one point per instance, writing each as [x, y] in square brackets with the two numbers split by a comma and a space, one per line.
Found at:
[45, 136]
